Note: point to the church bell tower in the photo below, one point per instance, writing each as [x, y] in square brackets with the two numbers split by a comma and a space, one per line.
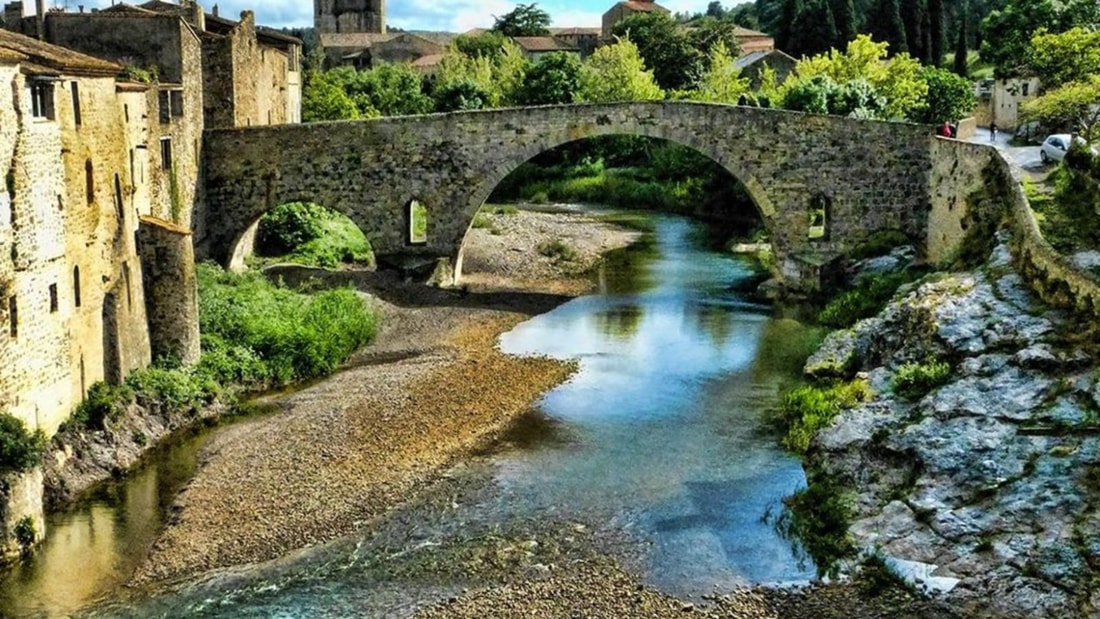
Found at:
[349, 16]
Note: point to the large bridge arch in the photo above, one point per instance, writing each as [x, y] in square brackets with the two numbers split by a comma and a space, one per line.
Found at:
[874, 175]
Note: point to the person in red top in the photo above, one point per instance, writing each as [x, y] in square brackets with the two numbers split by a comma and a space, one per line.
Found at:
[945, 130]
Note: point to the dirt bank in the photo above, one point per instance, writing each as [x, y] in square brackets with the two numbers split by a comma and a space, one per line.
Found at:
[431, 388]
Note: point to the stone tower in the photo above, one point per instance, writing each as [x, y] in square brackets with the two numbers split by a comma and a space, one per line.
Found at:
[349, 16]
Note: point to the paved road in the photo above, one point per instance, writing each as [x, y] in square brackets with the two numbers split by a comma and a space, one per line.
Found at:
[1026, 157]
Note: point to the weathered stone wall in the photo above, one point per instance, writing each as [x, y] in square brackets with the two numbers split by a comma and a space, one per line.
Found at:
[35, 379]
[143, 41]
[873, 175]
[168, 260]
[20, 497]
[965, 176]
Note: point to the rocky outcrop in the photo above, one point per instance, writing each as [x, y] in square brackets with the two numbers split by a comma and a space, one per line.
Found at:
[987, 488]
[20, 506]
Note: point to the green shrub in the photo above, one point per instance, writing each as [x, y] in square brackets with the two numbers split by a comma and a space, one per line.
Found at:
[806, 410]
[102, 403]
[482, 221]
[539, 197]
[915, 380]
[818, 517]
[294, 336]
[557, 250]
[20, 449]
[877, 577]
[868, 298]
[26, 534]
[177, 388]
[288, 226]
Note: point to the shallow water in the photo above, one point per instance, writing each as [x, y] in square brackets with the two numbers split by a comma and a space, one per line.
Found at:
[659, 437]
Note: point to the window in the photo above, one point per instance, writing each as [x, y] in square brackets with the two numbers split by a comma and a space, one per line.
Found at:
[89, 181]
[53, 298]
[820, 207]
[126, 112]
[76, 103]
[133, 172]
[118, 200]
[13, 317]
[1027, 88]
[76, 286]
[164, 103]
[176, 98]
[417, 217]
[129, 295]
[166, 153]
[42, 99]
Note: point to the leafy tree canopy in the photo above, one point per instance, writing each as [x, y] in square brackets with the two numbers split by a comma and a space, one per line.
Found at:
[1007, 33]
[950, 97]
[616, 73]
[324, 98]
[1059, 59]
[485, 44]
[665, 47]
[1071, 107]
[555, 78]
[722, 82]
[526, 20]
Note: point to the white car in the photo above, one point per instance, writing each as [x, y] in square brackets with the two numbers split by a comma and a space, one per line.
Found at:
[1055, 146]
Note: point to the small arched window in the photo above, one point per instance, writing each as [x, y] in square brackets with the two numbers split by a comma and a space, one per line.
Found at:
[820, 212]
[417, 218]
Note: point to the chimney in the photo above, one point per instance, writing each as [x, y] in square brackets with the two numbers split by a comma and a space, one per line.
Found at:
[40, 9]
[215, 10]
[13, 15]
[198, 17]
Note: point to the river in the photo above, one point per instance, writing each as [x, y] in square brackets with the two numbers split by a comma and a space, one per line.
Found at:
[656, 451]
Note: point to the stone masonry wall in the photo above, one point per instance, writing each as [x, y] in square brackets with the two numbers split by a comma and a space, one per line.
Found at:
[168, 260]
[873, 175]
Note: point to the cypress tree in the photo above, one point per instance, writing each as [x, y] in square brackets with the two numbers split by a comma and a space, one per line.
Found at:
[814, 29]
[935, 31]
[961, 50]
[784, 35]
[844, 14]
[912, 15]
[884, 23]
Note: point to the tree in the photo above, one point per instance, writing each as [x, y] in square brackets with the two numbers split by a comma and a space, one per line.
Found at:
[485, 44]
[914, 15]
[1059, 59]
[707, 32]
[526, 20]
[323, 99]
[783, 26]
[665, 48]
[897, 79]
[1071, 106]
[509, 73]
[1007, 33]
[389, 89]
[616, 73]
[962, 51]
[884, 24]
[935, 31]
[722, 82]
[815, 27]
[950, 97]
[461, 95]
[844, 15]
[555, 78]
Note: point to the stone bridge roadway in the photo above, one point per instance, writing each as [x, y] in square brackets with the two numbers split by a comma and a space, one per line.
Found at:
[870, 175]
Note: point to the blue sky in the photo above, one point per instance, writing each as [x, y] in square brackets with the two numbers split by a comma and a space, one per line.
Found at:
[452, 15]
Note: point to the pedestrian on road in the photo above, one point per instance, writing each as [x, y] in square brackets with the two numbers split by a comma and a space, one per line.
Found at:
[992, 132]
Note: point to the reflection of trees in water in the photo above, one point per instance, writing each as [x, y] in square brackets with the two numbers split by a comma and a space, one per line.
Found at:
[785, 344]
[623, 271]
[620, 321]
[713, 320]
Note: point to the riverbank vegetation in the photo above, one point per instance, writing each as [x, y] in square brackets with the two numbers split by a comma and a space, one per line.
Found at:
[807, 409]
[256, 335]
[20, 448]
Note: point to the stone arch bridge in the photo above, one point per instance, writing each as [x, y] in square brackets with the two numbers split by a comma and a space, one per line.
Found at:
[868, 175]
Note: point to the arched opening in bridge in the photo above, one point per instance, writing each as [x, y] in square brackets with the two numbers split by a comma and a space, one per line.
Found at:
[622, 172]
[303, 233]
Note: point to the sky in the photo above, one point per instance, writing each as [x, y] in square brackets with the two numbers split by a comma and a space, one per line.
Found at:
[446, 15]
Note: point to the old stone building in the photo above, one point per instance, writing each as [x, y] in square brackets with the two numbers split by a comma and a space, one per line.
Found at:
[102, 116]
[349, 16]
[625, 9]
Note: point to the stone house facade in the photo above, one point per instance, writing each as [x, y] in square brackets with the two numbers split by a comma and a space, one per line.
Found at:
[625, 9]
